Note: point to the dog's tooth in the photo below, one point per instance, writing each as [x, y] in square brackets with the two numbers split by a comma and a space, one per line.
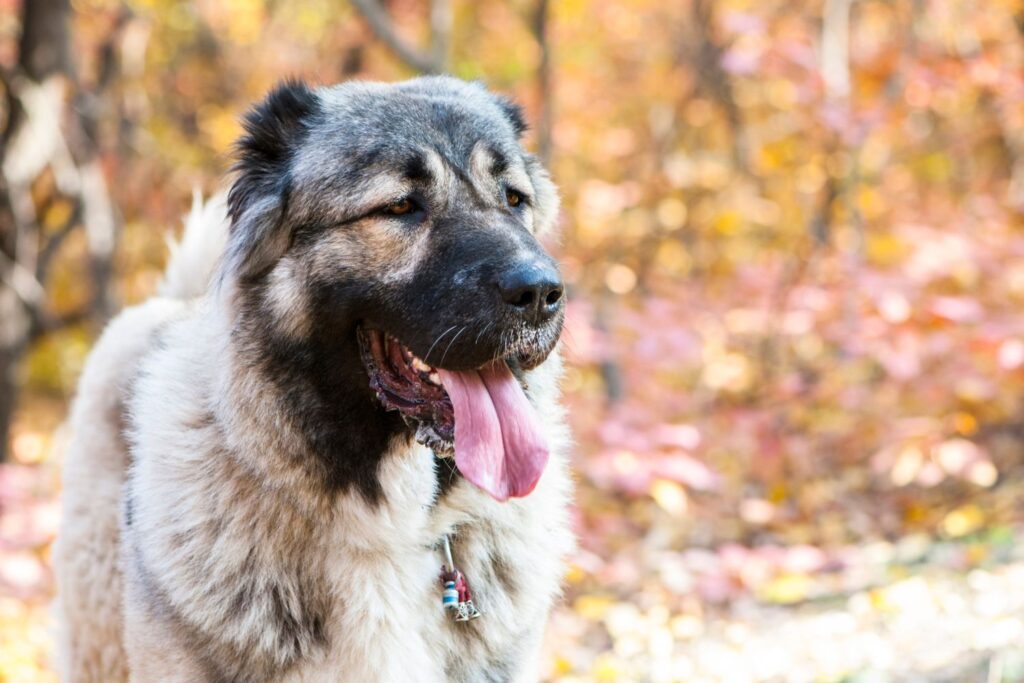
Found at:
[417, 364]
[434, 378]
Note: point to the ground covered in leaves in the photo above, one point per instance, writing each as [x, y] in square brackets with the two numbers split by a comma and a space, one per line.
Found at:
[915, 610]
[672, 585]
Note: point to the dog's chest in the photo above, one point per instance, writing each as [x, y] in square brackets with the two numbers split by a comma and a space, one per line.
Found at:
[387, 621]
[382, 568]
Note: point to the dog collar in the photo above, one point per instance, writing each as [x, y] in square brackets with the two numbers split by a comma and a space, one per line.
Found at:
[455, 595]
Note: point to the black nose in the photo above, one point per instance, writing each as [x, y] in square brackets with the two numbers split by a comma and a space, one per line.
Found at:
[533, 288]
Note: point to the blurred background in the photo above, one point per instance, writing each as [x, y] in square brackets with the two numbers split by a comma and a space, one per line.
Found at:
[794, 240]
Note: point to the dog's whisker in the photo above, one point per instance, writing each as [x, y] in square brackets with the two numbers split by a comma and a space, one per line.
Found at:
[426, 358]
[464, 327]
[481, 333]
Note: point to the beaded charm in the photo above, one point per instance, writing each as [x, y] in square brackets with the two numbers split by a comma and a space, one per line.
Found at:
[456, 597]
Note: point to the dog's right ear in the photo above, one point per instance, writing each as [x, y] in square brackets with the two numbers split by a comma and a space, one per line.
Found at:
[513, 111]
[258, 199]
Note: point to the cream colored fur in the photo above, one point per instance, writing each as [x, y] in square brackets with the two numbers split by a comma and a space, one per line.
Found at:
[211, 502]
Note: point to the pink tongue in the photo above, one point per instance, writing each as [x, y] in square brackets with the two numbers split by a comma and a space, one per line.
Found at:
[498, 441]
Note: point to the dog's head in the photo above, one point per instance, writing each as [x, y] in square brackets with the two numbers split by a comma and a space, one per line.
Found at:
[391, 231]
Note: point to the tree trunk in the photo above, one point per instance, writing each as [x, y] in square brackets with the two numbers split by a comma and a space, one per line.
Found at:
[44, 51]
[545, 114]
[13, 327]
[8, 391]
[45, 45]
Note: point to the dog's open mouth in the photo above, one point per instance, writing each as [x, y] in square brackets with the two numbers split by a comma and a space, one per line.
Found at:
[482, 415]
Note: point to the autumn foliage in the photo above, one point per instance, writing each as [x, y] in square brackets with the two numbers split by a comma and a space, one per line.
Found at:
[792, 233]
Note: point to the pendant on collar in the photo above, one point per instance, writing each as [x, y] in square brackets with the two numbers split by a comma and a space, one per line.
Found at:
[456, 597]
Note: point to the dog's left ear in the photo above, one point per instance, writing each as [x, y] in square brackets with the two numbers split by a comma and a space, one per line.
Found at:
[257, 201]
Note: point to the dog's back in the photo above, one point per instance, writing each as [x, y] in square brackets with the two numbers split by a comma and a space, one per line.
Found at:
[89, 601]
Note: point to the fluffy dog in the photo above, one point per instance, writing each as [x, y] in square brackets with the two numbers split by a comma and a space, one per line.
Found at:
[351, 359]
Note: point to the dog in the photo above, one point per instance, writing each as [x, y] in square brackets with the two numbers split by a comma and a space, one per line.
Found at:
[340, 413]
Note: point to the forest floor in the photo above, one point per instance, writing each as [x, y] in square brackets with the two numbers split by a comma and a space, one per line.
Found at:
[915, 610]
[906, 612]
[924, 607]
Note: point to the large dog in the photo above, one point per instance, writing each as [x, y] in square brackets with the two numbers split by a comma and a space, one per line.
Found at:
[349, 363]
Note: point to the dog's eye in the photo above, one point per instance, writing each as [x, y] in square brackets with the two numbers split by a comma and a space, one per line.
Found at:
[513, 197]
[400, 208]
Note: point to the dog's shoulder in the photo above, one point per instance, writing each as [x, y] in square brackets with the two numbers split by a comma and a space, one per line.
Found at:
[125, 341]
[100, 406]
[95, 463]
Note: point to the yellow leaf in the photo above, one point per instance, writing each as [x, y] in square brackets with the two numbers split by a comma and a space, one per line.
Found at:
[963, 520]
[606, 668]
[575, 574]
[884, 250]
[670, 496]
[965, 424]
[593, 607]
[728, 222]
[786, 589]
[561, 666]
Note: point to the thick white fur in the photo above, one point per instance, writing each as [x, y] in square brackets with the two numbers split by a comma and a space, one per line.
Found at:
[194, 258]
[378, 565]
[89, 643]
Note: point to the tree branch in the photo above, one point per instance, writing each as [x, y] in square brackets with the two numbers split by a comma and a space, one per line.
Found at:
[835, 48]
[440, 33]
[714, 80]
[380, 23]
[539, 27]
[45, 45]
[44, 323]
[52, 246]
[22, 282]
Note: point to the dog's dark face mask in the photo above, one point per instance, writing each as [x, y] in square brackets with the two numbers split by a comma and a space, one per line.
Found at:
[385, 236]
